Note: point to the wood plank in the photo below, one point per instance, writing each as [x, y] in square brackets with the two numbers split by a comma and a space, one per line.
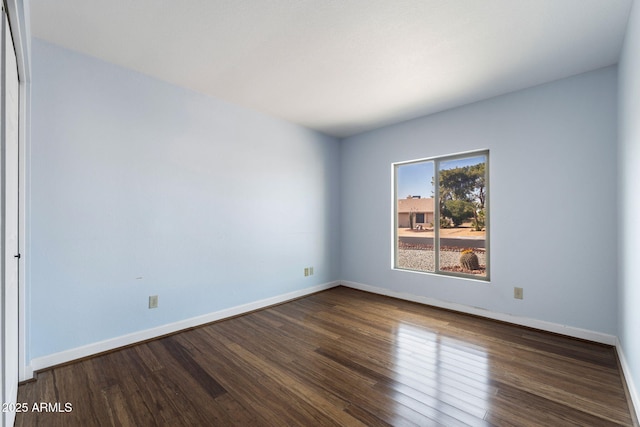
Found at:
[341, 357]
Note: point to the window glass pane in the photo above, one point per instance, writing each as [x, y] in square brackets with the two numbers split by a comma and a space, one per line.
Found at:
[415, 216]
[463, 229]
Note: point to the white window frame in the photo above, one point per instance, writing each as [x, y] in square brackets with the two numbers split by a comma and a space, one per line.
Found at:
[436, 214]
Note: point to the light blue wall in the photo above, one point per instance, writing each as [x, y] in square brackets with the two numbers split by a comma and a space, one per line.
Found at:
[629, 137]
[553, 201]
[211, 204]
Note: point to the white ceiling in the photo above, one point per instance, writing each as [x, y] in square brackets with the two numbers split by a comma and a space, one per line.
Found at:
[343, 66]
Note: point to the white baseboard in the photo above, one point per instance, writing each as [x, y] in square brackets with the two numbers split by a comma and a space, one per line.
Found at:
[557, 328]
[633, 391]
[66, 356]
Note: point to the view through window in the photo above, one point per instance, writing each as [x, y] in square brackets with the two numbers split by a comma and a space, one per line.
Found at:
[443, 232]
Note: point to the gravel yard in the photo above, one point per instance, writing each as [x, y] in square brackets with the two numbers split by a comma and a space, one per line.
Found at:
[417, 259]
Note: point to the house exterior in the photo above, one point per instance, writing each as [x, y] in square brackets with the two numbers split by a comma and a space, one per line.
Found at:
[423, 209]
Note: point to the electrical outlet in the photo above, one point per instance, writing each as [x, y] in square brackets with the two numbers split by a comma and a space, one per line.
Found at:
[153, 301]
[518, 293]
[306, 271]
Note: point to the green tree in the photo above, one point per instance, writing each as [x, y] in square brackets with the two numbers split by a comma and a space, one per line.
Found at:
[459, 211]
[466, 186]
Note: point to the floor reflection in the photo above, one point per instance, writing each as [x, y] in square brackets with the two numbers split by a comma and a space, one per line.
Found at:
[443, 378]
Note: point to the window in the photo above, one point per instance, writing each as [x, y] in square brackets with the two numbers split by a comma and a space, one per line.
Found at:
[445, 231]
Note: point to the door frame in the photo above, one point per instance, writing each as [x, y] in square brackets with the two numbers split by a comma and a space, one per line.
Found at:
[18, 13]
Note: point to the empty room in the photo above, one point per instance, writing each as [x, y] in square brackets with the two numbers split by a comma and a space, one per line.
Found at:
[320, 212]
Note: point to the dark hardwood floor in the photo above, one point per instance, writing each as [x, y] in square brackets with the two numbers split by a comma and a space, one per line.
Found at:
[340, 357]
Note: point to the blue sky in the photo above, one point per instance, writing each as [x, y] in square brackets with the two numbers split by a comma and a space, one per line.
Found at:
[415, 178]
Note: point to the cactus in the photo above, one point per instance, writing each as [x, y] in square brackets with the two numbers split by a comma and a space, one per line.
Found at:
[469, 260]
